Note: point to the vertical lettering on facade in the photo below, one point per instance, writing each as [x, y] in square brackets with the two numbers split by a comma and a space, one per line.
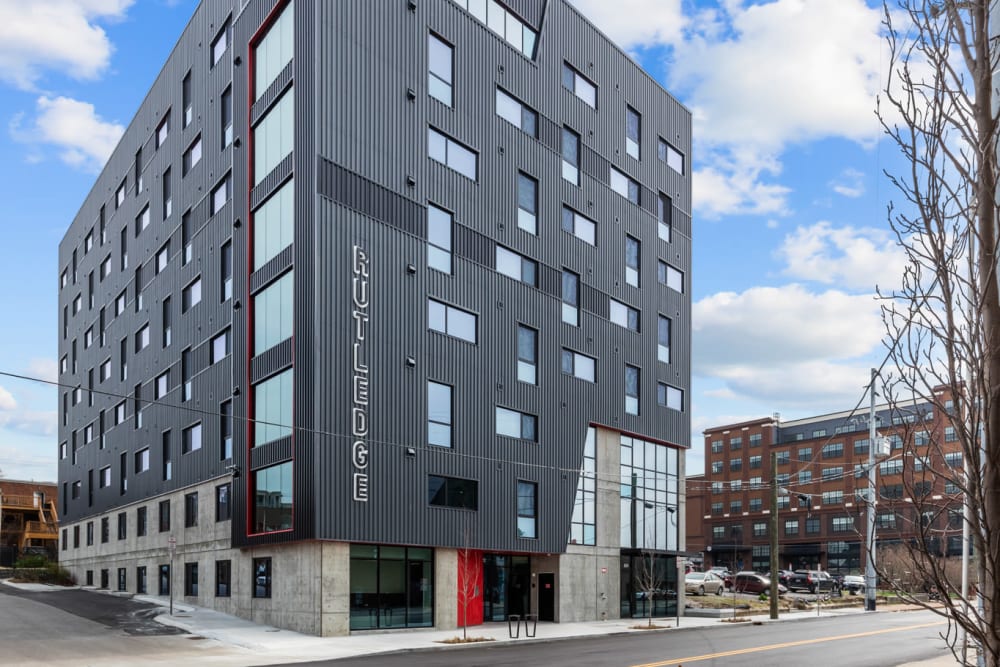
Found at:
[360, 299]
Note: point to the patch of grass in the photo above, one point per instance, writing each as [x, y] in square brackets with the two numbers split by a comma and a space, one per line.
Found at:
[738, 619]
[50, 574]
[646, 626]
[464, 640]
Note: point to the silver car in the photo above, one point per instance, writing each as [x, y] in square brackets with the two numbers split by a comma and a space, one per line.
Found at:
[701, 583]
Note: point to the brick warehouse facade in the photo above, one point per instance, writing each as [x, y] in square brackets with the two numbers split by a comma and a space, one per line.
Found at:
[822, 469]
[377, 300]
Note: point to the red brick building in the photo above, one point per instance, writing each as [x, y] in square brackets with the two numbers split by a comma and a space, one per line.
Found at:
[823, 482]
[28, 518]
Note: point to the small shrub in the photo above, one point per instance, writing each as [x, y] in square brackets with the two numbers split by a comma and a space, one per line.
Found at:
[31, 561]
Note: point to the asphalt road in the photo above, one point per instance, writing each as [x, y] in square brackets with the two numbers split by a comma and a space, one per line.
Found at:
[848, 641]
[82, 628]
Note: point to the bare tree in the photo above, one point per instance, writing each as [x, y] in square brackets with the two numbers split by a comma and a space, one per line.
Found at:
[470, 578]
[943, 323]
[650, 580]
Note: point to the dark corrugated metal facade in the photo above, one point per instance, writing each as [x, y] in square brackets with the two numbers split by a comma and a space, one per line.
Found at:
[362, 177]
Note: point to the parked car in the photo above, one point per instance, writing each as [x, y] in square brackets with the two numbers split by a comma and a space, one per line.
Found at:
[814, 581]
[700, 583]
[783, 576]
[854, 583]
[751, 582]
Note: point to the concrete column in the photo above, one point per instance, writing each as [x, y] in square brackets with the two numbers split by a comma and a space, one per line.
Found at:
[335, 588]
[445, 588]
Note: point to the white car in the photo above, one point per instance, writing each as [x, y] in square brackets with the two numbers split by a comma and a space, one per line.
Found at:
[854, 583]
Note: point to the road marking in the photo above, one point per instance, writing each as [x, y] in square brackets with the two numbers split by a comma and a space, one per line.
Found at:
[774, 647]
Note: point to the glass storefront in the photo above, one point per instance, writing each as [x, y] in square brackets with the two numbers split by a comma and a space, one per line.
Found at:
[648, 580]
[506, 586]
[391, 587]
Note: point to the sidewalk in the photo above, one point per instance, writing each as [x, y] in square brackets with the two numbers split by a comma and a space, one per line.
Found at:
[254, 644]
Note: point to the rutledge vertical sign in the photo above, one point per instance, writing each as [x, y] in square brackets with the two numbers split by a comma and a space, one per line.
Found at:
[359, 374]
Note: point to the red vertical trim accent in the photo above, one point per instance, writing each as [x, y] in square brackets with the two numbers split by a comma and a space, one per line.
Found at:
[470, 587]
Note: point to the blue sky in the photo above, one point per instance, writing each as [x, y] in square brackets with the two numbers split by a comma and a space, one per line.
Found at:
[790, 232]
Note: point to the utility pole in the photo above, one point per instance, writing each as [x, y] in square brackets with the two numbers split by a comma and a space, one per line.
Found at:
[870, 537]
[774, 536]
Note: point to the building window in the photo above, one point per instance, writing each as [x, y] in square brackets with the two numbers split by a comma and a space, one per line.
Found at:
[190, 510]
[142, 220]
[120, 413]
[633, 121]
[792, 527]
[451, 321]
[949, 434]
[673, 157]
[105, 529]
[105, 270]
[631, 390]
[165, 457]
[671, 277]
[105, 478]
[168, 202]
[735, 506]
[274, 313]
[122, 526]
[527, 354]
[527, 509]
[186, 372]
[140, 580]
[579, 226]
[663, 339]
[192, 439]
[755, 504]
[439, 69]
[90, 533]
[162, 258]
[274, 51]
[191, 156]
[273, 493]
[167, 329]
[625, 186]
[833, 497]
[226, 116]
[527, 203]
[274, 136]
[579, 365]
[842, 524]
[507, 26]
[439, 223]
[140, 522]
[223, 511]
[571, 156]
[953, 460]
[162, 130]
[453, 492]
[164, 516]
[439, 414]
[120, 194]
[142, 338]
[186, 104]
[223, 575]
[515, 424]
[221, 346]
[273, 407]
[812, 525]
[670, 397]
[518, 113]
[191, 295]
[122, 579]
[191, 579]
[624, 316]
[579, 85]
[570, 298]
[517, 267]
[735, 464]
[226, 430]
[717, 467]
[164, 580]
[632, 253]
[221, 43]
[442, 148]
[273, 225]
[755, 461]
[222, 193]
[142, 460]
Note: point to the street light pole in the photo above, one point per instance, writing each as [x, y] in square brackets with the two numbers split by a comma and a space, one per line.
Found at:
[774, 536]
[870, 537]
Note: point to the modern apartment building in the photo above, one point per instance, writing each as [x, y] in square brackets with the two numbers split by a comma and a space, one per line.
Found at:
[371, 312]
[822, 465]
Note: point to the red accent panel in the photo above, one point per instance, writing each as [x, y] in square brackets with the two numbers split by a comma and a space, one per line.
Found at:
[470, 587]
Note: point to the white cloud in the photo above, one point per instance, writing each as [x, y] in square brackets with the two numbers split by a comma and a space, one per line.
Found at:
[43, 369]
[7, 401]
[850, 184]
[82, 137]
[725, 189]
[31, 422]
[851, 257]
[60, 35]
[632, 23]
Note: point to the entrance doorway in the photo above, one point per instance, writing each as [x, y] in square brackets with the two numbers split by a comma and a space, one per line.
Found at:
[506, 586]
[546, 596]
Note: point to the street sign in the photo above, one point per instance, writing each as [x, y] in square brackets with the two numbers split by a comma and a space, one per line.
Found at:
[604, 570]
[172, 545]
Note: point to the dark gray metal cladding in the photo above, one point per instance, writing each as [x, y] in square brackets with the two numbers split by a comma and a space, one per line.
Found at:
[362, 177]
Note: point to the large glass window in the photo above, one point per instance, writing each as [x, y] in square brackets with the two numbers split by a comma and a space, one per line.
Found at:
[670, 397]
[439, 69]
[439, 414]
[439, 223]
[447, 151]
[273, 313]
[452, 321]
[579, 85]
[517, 113]
[274, 225]
[274, 136]
[452, 492]
[273, 498]
[274, 51]
[527, 509]
[515, 424]
[517, 267]
[625, 186]
[273, 408]
[624, 316]
[578, 365]
[583, 527]
[505, 24]
[649, 485]
[673, 157]
[671, 277]
[578, 225]
[391, 587]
